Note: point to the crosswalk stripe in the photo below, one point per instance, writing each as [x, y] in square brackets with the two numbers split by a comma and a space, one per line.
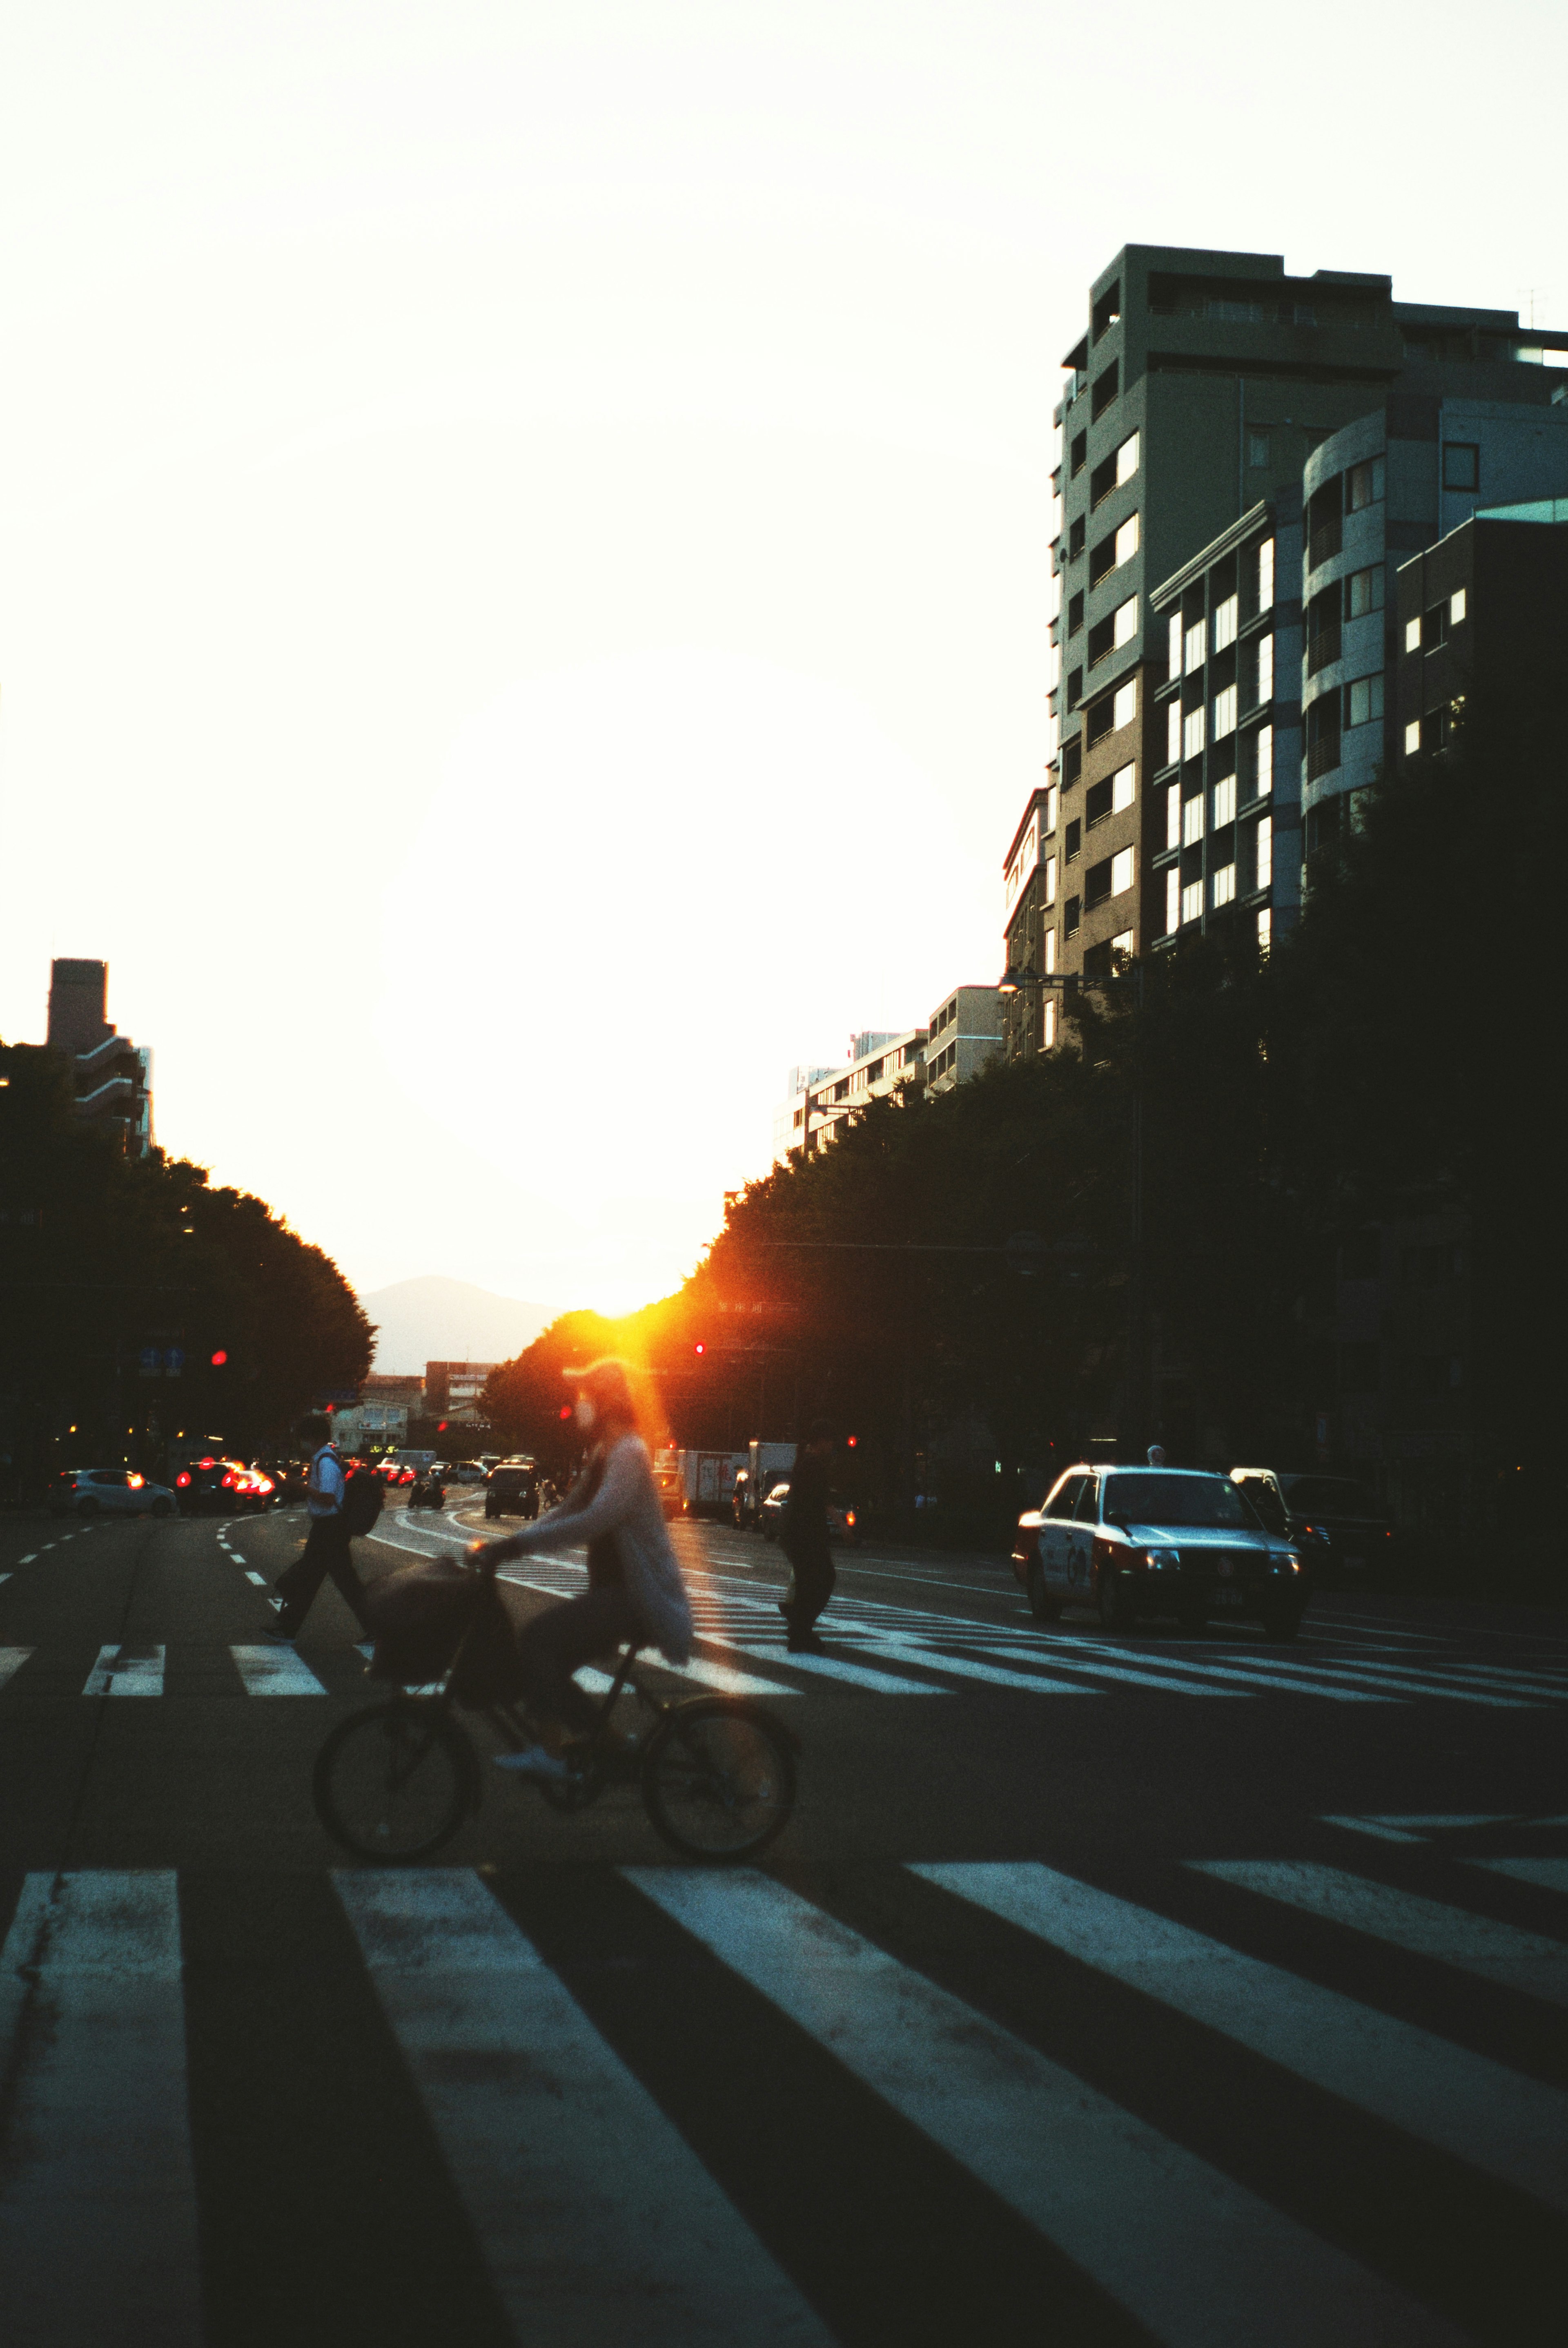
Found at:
[1372, 1827]
[126, 1671]
[275, 1671]
[1477, 2110]
[1424, 1683]
[1425, 1928]
[1548, 1874]
[829, 1667]
[571, 2176]
[722, 1676]
[98, 2201]
[930, 1657]
[1193, 2255]
[1172, 1678]
[11, 1662]
[1435, 1821]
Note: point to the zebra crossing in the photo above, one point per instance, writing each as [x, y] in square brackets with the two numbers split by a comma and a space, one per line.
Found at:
[600, 2224]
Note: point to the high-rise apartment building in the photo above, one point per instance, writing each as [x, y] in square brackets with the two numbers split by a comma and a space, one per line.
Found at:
[1203, 388]
[112, 1077]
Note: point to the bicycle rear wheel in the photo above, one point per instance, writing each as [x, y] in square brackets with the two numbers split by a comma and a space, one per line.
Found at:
[395, 1783]
[718, 1779]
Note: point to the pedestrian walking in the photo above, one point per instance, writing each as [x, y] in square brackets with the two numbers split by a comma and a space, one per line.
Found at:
[326, 1550]
[804, 1537]
[635, 1589]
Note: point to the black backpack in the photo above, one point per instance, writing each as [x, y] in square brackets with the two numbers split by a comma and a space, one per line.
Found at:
[363, 1494]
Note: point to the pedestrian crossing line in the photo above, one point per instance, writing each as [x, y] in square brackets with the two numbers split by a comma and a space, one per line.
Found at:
[126, 1671]
[1179, 1679]
[1423, 1927]
[600, 2226]
[829, 1667]
[1427, 1682]
[1372, 1827]
[259, 1579]
[1443, 1821]
[11, 1662]
[1546, 1874]
[929, 1657]
[719, 1676]
[97, 2199]
[1464, 2104]
[1192, 2254]
[275, 1671]
[1260, 1674]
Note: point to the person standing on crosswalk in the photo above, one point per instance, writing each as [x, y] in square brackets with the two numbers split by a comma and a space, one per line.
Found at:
[805, 1541]
[326, 1551]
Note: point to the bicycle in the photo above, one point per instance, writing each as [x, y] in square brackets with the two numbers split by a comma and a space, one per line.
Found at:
[395, 1783]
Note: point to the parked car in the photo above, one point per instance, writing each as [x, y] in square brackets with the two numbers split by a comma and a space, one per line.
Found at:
[108, 1491]
[1134, 1541]
[843, 1524]
[1340, 1526]
[513, 1489]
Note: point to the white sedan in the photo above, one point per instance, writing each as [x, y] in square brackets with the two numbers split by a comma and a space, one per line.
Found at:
[108, 1491]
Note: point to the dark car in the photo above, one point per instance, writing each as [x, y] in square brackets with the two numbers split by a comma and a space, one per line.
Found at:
[1134, 1541]
[512, 1490]
[1341, 1526]
[212, 1484]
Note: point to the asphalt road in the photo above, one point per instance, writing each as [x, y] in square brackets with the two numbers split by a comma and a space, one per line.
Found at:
[1104, 1988]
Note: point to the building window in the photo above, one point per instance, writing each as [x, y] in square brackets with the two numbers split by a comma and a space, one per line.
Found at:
[1265, 575]
[1174, 815]
[1127, 459]
[1263, 765]
[1074, 614]
[1106, 387]
[1364, 591]
[1127, 622]
[1461, 464]
[1097, 883]
[1412, 635]
[1173, 639]
[1051, 796]
[1226, 623]
[1196, 645]
[1125, 941]
[1075, 538]
[1224, 801]
[1074, 687]
[1050, 880]
[1074, 840]
[1225, 886]
[1102, 640]
[1123, 784]
[1048, 1026]
[1412, 737]
[1363, 485]
[1103, 561]
[1050, 951]
[1173, 901]
[1071, 917]
[1122, 871]
[1265, 668]
[1363, 700]
[1322, 736]
[1127, 540]
[1265, 852]
[1256, 449]
[1080, 453]
[1172, 733]
[1124, 705]
[1193, 821]
[1192, 733]
[1193, 901]
[1456, 607]
[1108, 309]
[1225, 713]
[1264, 930]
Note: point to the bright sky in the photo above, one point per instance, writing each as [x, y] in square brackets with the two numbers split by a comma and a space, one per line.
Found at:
[523, 535]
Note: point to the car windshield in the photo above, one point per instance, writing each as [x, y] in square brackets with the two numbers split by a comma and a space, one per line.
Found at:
[1176, 1501]
[1333, 1496]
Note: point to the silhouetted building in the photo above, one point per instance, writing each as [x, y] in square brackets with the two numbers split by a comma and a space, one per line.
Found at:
[112, 1076]
[452, 1389]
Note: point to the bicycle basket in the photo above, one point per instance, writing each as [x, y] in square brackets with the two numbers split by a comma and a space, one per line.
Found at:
[419, 1615]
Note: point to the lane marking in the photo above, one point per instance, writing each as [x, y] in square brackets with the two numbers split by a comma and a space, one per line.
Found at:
[126, 1671]
[600, 2226]
[1546, 1874]
[236, 1556]
[1192, 2255]
[1440, 1819]
[98, 2217]
[11, 1662]
[829, 1667]
[1370, 1827]
[31, 1558]
[1423, 1927]
[259, 1579]
[274, 1670]
[1474, 2109]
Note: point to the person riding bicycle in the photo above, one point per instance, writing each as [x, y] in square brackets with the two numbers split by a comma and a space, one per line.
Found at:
[635, 1589]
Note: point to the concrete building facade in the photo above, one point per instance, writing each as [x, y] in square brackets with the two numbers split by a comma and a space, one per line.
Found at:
[112, 1077]
[964, 1033]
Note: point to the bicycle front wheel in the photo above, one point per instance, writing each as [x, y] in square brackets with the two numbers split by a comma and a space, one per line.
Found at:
[396, 1783]
[718, 1779]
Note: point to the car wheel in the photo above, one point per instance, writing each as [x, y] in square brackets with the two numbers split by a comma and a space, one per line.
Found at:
[1281, 1622]
[1117, 1612]
[1041, 1604]
[86, 1507]
[162, 1509]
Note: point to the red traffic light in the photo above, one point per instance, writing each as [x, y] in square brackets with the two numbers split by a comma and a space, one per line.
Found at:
[565, 1410]
[219, 1358]
[852, 1440]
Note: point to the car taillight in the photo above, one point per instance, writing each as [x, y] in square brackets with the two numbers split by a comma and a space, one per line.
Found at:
[229, 1482]
[182, 1479]
[207, 1463]
[136, 1482]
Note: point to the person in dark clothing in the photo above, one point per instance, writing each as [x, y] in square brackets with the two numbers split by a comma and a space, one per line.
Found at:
[804, 1537]
[326, 1550]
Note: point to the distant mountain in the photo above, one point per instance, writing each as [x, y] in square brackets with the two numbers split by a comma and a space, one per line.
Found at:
[437, 1320]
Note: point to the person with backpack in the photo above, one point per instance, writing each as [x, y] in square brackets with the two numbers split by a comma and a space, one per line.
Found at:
[339, 1505]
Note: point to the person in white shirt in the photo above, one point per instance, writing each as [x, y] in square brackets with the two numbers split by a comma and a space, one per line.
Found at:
[326, 1550]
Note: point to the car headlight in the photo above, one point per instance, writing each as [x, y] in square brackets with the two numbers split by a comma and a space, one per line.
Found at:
[1289, 1557]
[1163, 1560]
